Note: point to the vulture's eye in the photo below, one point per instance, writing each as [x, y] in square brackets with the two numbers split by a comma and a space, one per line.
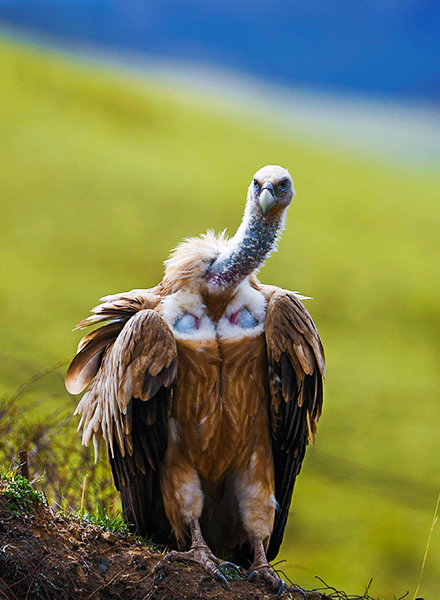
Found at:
[283, 185]
[256, 185]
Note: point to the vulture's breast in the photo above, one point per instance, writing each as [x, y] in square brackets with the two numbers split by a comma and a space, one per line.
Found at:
[220, 395]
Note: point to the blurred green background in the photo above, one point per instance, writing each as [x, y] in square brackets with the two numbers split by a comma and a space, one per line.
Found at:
[103, 172]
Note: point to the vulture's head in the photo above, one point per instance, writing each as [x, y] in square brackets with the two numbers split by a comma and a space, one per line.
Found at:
[270, 192]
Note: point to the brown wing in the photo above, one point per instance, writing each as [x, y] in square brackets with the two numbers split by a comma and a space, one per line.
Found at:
[115, 310]
[128, 405]
[296, 370]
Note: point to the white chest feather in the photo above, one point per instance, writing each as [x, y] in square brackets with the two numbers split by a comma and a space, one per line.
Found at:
[244, 315]
[186, 316]
[188, 319]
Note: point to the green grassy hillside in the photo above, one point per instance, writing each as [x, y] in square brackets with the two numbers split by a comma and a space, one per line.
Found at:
[101, 175]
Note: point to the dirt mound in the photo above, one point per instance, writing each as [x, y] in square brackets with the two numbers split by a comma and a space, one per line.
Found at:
[44, 555]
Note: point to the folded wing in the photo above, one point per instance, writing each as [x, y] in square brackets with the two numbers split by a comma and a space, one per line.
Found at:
[296, 370]
[132, 361]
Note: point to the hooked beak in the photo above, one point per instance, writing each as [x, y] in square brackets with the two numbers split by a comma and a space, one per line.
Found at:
[266, 198]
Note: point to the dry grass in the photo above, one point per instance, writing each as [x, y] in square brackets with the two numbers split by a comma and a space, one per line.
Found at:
[55, 455]
[332, 593]
[434, 521]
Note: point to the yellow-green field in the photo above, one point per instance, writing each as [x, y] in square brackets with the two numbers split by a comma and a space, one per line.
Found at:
[102, 174]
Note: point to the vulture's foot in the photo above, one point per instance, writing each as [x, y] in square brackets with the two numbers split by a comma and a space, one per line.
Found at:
[202, 555]
[267, 575]
[261, 570]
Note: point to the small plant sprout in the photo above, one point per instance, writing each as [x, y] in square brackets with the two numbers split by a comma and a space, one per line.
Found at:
[18, 492]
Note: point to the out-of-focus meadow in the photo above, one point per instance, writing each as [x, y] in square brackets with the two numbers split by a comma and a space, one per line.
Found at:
[101, 174]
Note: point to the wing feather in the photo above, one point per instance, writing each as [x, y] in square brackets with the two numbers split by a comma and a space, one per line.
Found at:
[133, 363]
[296, 366]
[115, 310]
[86, 363]
[121, 307]
[141, 361]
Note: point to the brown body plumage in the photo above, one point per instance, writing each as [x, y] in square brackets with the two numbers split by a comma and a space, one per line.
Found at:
[206, 390]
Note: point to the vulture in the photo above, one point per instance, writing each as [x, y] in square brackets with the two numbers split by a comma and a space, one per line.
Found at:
[205, 391]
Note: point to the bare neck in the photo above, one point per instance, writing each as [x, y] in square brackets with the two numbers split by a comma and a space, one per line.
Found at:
[248, 249]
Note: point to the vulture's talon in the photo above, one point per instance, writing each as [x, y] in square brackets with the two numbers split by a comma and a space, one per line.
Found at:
[267, 575]
[299, 593]
[224, 582]
[158, 569]
[281, 587]
[169, 557]
[202, 555]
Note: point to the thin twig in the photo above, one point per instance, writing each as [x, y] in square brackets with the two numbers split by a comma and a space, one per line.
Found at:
[83, 492]
[106, 584]
[29, 574]
[19, 391]
[7, 587]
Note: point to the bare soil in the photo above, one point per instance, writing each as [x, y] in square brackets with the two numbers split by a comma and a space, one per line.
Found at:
[45, 555]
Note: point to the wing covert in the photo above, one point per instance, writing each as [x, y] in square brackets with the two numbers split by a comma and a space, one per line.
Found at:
[114, 312]
[137, 365]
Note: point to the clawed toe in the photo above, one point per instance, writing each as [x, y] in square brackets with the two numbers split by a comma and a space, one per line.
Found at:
[254, 576]
[266, 574]
[203, 557]
[170, 557]
[222, 580]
